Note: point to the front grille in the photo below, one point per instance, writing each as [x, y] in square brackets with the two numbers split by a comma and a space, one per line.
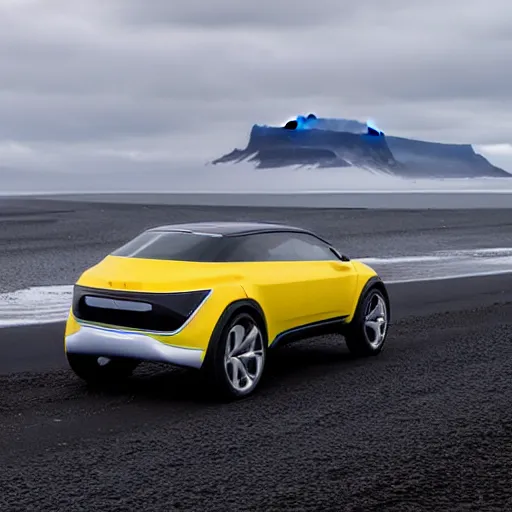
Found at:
[165, 312]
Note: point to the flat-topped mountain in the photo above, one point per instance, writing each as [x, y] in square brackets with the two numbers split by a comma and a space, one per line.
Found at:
[325, 142]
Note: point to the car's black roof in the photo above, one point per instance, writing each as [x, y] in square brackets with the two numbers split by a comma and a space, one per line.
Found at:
[232, 228]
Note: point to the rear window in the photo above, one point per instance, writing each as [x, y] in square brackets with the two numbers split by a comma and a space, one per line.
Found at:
[177, 246]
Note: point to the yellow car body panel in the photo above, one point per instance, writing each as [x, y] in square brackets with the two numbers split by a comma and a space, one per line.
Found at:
[297, 293]
[155, 276]
[364, 274]
[324, 290]
[290, 294]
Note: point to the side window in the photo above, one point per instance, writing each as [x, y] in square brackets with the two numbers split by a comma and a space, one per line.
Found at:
[281, 247]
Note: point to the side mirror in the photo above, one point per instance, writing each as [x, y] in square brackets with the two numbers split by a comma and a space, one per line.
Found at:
[338, 255]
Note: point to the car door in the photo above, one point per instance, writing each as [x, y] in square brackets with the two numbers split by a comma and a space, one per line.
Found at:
[297, 280]
[331, 282]
[274, 279]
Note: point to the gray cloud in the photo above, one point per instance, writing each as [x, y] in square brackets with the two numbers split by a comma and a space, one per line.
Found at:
[277, 14]
[188, 78]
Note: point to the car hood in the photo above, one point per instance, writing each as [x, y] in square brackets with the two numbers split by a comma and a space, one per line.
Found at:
[144, 275]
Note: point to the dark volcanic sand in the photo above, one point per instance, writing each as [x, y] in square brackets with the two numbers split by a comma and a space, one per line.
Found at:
[426, 426]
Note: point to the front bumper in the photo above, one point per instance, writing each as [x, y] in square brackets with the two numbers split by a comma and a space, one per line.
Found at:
[109, 342]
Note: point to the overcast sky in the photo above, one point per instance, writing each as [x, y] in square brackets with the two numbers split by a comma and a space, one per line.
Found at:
[105, 82]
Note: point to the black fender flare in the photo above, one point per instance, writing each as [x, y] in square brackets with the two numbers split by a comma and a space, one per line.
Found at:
[237, 306]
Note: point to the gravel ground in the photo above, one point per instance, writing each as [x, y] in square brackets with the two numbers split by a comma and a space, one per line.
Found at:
[426, 426]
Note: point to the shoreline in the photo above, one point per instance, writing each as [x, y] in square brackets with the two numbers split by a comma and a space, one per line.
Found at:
[380, 200]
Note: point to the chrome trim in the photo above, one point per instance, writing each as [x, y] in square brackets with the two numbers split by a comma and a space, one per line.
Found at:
[114, 343]
[158, 333]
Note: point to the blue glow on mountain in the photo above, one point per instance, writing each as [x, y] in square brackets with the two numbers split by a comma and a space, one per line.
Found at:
[373, 125]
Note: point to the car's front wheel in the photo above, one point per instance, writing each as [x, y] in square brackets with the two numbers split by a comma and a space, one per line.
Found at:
[101, 370]
[237, 361]
[367, 332]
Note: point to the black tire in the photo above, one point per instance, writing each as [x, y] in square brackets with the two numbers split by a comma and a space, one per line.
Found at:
[89, 368]
[360, 339]
[214, 368]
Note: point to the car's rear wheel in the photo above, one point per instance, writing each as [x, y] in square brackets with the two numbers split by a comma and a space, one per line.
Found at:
[101, 370]
[367, 332]
[237, 361]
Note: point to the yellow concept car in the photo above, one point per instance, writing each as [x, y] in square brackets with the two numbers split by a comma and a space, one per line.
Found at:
[216, 296]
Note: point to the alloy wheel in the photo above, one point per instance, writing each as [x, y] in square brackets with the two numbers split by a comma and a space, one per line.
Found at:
[244, 356]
